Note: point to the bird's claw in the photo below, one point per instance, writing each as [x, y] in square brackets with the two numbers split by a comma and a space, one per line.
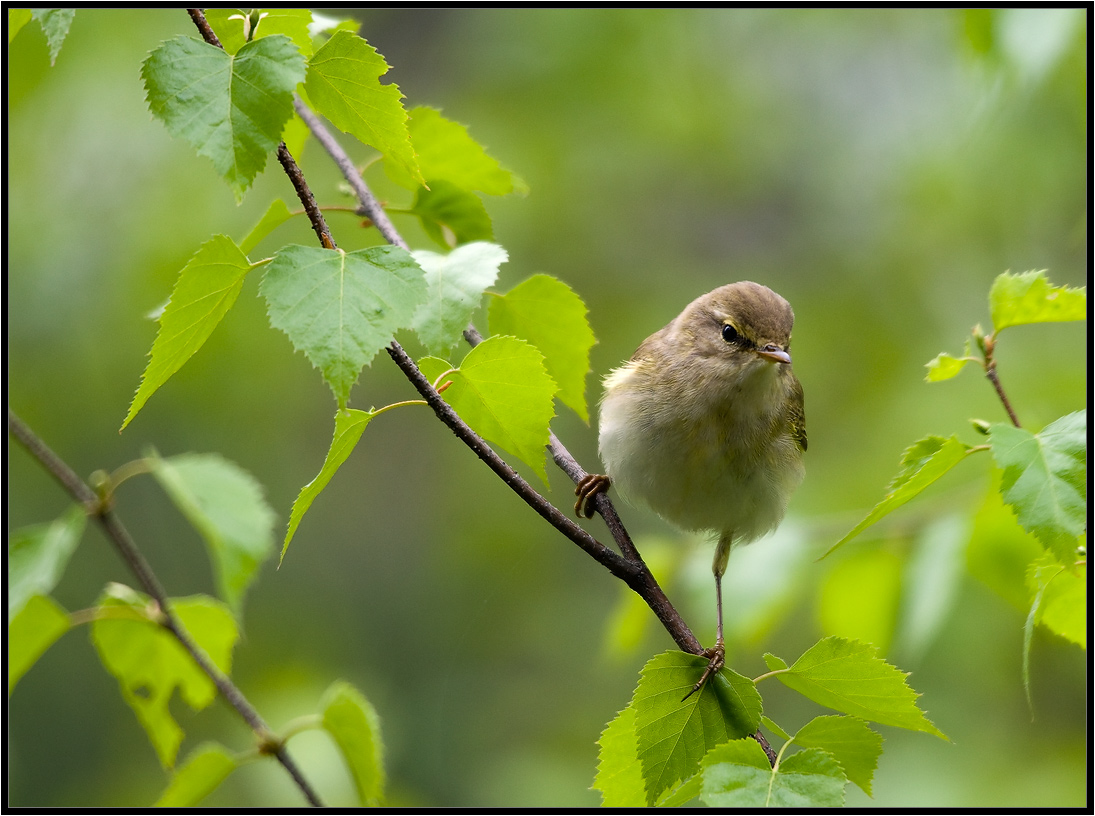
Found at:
[716, 658]
[588, 487]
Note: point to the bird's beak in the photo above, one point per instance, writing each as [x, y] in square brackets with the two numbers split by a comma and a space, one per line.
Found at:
[775, 354]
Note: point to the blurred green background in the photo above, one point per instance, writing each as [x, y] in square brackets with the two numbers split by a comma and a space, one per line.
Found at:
[877, 168]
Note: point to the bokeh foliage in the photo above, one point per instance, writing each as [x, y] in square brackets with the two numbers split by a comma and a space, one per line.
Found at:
[877, 168]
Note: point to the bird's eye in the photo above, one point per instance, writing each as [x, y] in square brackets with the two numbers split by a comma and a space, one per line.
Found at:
[730, 334]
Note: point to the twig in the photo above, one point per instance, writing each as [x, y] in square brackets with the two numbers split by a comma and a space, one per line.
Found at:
[768, 752]
[634, 573]
[630, 568]
[376, 214]
[286, 159]
[103, 513]
[988, 346]
[198, 16]
[315, 217]
[369, 205]
[569, 465]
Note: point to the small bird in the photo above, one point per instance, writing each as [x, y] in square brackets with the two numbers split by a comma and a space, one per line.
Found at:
[705, 425]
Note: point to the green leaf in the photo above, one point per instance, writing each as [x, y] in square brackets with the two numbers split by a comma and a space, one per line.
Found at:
[55, 23]
[1028, 642]
[999, 550]
[38, 555]
[1060, 593]
[451, 216]
[922, 464]
[737, 774]
[229, 24]
[683, 793]
[547, 313]
[851, 743]
[944, 366]
[433, 367]
[232, 26]
[673, 734]
[295, 135]
[447, 153]
[150, 664]
[204, 769]
[763, 585]
[276, 215]
[455, 285]
[349, 425]
[1045, 479]
[355, 727]
[38, 624]
[344, 85]
[505, 395]
[322, 28]
[850, 677]
[17, 18]
[341, 308]
[206, 289]
[619, 773]
[225, 504]
[932, 582]
[979, 29]
[231, 108]
[1029, 298]
[860, 597]
[1061, 598]
[775, 728]
[629, 622]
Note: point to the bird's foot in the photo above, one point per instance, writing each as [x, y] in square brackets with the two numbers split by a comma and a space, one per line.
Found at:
[587, 489]
[716, 657]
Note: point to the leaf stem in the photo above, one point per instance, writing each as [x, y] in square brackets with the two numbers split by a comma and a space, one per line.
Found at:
[309, 722]
[779, 756]
[444, 374]
[380, 411]
[82, 617]
[138, 467]
[766, 675]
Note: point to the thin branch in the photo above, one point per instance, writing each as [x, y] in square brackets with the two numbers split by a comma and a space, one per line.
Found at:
[768, 752]
[198, 16]
[995, 380]
[630, 568]
[370, 207]
[103, 513]
[569, 465]
[319, 223]
[288, 163]
[633, 573]
[989, 347]
[56, 466]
